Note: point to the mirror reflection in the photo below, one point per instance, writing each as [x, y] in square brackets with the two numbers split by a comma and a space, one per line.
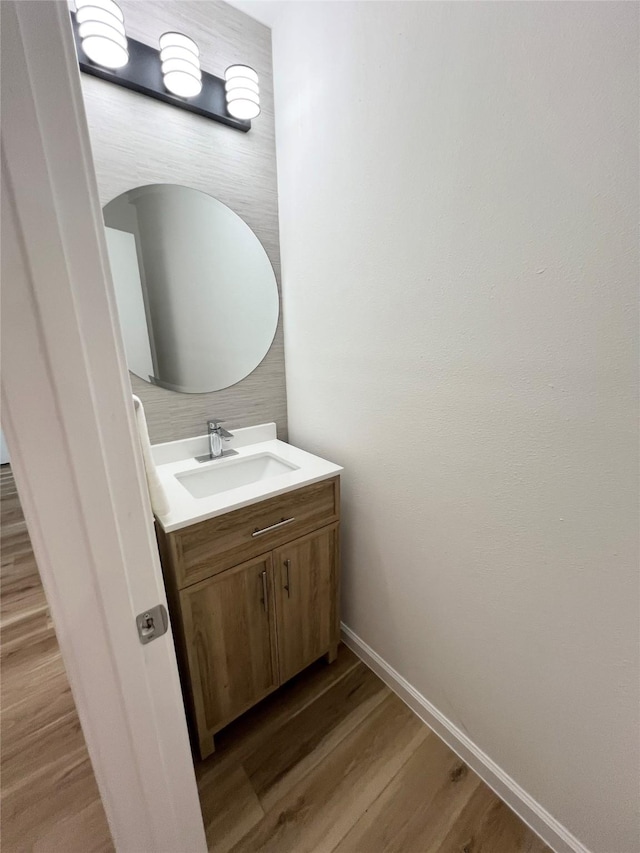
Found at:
[196, 293]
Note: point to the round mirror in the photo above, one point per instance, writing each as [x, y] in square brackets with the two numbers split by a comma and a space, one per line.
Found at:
[196, 293]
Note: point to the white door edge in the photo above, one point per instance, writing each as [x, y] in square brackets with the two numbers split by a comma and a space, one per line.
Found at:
[67, 414]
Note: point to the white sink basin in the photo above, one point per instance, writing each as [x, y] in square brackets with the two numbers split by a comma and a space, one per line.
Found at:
[263, 468]
[226, 474]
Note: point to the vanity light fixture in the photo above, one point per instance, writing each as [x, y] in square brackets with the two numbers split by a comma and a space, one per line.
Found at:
[102, 33]
[243, 91]
[180, 59]
[171, 74]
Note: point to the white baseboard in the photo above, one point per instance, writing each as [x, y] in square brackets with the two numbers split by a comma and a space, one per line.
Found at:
[531, 812]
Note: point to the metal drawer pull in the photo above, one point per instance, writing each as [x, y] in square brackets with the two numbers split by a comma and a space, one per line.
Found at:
[264, 590]
[259, 531]
[287, 563]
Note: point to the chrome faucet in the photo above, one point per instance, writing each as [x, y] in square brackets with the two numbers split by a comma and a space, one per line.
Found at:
[217, 434]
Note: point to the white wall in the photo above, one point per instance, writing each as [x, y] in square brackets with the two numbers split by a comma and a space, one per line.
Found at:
[458, 189]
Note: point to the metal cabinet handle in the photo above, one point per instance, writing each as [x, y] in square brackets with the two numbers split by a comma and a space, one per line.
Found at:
[265, 590]
[287, 586]
[259, 531]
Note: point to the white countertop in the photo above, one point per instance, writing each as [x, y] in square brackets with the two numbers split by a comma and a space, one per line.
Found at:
[178, 457]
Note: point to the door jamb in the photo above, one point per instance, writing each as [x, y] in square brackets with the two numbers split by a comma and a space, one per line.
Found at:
[67, 413]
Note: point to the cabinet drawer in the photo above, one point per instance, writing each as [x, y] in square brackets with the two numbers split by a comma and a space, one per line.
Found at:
[222, 542]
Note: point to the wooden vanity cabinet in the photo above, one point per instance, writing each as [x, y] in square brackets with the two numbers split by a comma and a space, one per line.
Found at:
[244, 626]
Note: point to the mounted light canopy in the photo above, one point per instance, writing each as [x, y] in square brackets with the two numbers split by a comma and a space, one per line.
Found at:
[102, 33]
[242, 92]
[180, 59]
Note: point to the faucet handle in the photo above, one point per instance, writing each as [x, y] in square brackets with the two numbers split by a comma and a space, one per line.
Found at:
[214, 426]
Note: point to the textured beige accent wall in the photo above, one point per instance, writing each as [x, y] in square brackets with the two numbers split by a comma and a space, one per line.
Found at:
[137, 141]
[459, 205]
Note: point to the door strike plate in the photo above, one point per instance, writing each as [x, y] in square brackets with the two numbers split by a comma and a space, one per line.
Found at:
[152, 623]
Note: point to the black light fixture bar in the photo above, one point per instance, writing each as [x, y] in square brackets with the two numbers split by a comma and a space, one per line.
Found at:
[143, 73]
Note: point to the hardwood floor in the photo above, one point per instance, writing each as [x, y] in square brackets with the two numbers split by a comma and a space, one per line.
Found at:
[334, 762]
[331, 763]
[49, 796]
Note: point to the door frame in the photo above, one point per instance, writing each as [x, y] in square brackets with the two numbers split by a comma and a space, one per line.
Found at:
[68, 417]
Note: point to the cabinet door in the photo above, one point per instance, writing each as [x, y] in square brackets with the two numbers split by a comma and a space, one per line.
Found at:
[306, 573]
[230, 638]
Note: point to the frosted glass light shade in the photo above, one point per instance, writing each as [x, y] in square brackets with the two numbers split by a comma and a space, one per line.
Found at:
[242, 83]
[182, 84]
[109, 5]
[243, 92]
[102, 33]
[180, 59]
[173, 39]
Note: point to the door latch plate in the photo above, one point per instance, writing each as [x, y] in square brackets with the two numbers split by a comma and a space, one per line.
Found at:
[152, 623]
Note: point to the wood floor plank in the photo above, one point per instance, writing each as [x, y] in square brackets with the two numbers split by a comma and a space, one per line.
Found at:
[230, 806]
[315, 815]
[307, 738]
[36, 736]
[30, 812]
[20, 586]
[76, 833]
[32, 659]
[487, 825]
[430, 791]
